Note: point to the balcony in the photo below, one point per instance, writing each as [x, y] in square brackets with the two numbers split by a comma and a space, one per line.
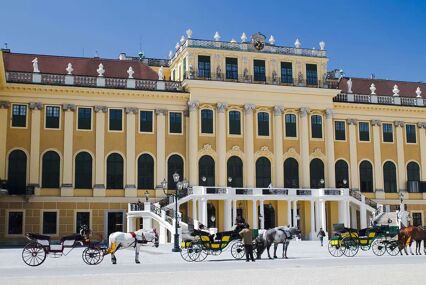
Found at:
[381, 100]
[92, 81]
[251, 79]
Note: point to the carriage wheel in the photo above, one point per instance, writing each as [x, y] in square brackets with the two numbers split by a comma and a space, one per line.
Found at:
[378, 247]
[351, 247]
[33, 254]
[237, 250]
[392, 248]
[198, 253]
[92, 256]
[335, 250]
[185, 253]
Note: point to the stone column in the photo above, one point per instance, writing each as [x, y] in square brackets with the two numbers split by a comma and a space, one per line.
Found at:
[227, 215]
[67, 186]
[343, 213]
[295, 213]
[161, 145]
[130, 188]
[289, 217]
[262, 213]
[234, 211]
[221, 144]
[278, 147]
[4, 106]
[363, 214]
[254, 215]
[194, 209]
[99, 188]
[378, 172]
[323, 217]
[313, 230]
[304, 147]
[353, 155]
[422, 142]
[331, 181]
[193, 142]
[249, 145]
[401, 170]
[34, 168]
[354, 223]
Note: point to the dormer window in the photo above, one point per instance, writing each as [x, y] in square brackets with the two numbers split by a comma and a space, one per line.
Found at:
[311, 74]
[231, 68]
[259, 70]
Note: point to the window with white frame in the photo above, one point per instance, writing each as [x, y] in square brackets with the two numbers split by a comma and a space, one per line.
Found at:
[19, 116]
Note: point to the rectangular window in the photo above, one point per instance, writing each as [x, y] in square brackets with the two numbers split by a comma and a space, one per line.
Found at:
[263, 124]
[234, 123]
[286, 72]
[364, 131]
[417, 219]
[50, 223]
[316, 125]
[145, 122]
[52, 117]
[115, 119]
[15, 223]
[206, 121]
[84, 118]
[231, 68]
[387, 132]
[410, 133]
[204, 66]
[81, 218]
[311, 74]
[339, 131]
[259, 70]
[19, 116]
[290, 125]
[175, 122]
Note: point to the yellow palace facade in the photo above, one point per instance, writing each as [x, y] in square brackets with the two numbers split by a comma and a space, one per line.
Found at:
[260, 131]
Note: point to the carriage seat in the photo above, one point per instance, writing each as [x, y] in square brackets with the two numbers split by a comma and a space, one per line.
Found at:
[76, 237]
[38, 236]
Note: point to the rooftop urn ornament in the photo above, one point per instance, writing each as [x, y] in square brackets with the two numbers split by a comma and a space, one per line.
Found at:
[216, 36]
[69, 69]
[100, 70]
[35, 65]
[297, 43]
[170, 54]
[182, 40]
[322, 45]
[130, 72]
[419, 92]
[349, 85]
[395, 90]
[233, 41]
[272, 40]
[244, 38]
[373, 89]
[160, 73]
[189, 33]
[177, 45]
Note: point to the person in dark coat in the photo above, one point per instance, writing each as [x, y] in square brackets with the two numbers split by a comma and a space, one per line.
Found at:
[321, 235]
[247, 236]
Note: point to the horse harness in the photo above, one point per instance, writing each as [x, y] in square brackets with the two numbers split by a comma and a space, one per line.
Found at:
[142, 241]
[287, 234]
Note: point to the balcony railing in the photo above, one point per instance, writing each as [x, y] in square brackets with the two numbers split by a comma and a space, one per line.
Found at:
[267, 80]
[377, 99]
[92, 81]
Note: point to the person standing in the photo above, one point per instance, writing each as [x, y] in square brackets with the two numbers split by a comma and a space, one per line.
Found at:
[321, 235]
[247, 237]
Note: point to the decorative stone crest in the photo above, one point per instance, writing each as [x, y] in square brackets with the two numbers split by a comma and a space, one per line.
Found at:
[317, 153]
[161, 111]
[207, 150]
[4, 104]
[69, 69]
[221, 107]
[373, 89]
[35, 65]
[376, 123]
[35, 106]
[100, 108]
[418, 93]
[248, 108]
[421, 125]
[395, 90]
[130, 72]
[100, 70]
[264, 151]
[352, 121]
[130, 110]
[193, 105]
[234, 151]
[399, 124]
[304, 111]
[278, 110]
[68, 107]
[207, 147]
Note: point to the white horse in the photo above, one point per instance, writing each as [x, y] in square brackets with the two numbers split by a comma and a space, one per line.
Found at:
[275, 236]
[120, 240]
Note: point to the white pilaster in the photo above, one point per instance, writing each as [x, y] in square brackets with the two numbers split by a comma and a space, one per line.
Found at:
[67, 187]
[4, 106]
[422, 142]
[262, 213]
[254, 214]
[194, 209]
[234, 211]
[161, 145]
[227, 215]
[289, 217]
[249, 145]
[353, 155]
[323, 217]
[304, 147]
[329, 137]
[378, 172]
[278, 147]
[99, 188]
[354, 223]
[193, 143]
[221, 144]
[363, 214]
[35, 144]
[401, 170]
[130, 187]
[313, 230]
[295, 213]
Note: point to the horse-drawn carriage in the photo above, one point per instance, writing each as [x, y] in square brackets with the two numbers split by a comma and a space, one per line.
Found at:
[379, 239]
[36, 251]
[199, 244]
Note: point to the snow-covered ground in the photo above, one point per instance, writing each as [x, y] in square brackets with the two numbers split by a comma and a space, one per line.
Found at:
[308, 263]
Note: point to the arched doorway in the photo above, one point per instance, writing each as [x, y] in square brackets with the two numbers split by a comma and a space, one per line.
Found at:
[51, 170]
[317, 173]
[263, 172]
[366, 176]
[115, 171]
[389, 177]
[291, 173]
[342, 174]
[17, 172]
[235, 172]
[83, 171]
[145, 172]
[206, 171]
[174, 164]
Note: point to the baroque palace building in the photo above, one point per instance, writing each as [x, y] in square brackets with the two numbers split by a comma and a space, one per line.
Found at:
[260, 131]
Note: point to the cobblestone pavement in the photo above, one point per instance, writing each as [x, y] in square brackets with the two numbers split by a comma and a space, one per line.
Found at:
[308, 263]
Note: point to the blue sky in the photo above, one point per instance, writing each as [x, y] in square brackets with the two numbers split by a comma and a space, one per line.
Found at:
[387, 38]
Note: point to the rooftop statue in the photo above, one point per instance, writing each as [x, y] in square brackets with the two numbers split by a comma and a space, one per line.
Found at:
[100, 70]
[130, 72]
[160, 74]
[349, 85]
[35, 65]
[69, 69]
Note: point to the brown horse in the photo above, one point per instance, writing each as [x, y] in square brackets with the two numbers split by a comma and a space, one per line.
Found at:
[409, 234]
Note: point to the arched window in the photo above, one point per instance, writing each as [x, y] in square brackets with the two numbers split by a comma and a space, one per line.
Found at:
[17, 172]
[145, 172]
[291, 173]
[83, 171]
[316, 126]
[115, 171]
[51, 170]
[366, 176]
[174, 164]
[389, 177]
[206, 121]
[235, 171]
[206, 171]
[317, 173]
[413, 177]
[263, 172]
[342, 174]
